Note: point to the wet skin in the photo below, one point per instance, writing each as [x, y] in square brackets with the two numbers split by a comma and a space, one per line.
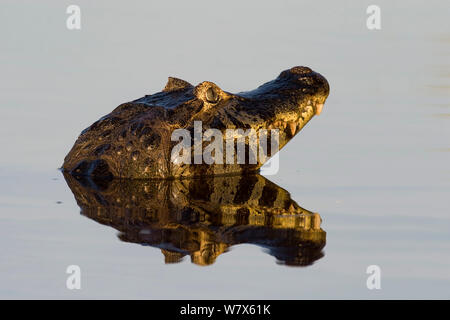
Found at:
[134, 140]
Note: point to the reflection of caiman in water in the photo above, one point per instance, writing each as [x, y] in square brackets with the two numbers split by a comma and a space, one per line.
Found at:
[204, 217]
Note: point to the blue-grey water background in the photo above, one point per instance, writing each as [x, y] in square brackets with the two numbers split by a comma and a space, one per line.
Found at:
[375, 164]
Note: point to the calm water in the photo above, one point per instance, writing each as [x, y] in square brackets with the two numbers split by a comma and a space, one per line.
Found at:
[374, 165]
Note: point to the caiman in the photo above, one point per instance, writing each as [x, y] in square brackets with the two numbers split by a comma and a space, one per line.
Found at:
[135, 139]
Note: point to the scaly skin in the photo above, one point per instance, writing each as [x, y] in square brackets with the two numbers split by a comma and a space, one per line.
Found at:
[203, 218]
[134, 140]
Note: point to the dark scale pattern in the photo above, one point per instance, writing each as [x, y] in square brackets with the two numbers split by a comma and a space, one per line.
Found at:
[134, 140]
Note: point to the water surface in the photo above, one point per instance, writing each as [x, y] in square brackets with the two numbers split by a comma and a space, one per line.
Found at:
[373, 166]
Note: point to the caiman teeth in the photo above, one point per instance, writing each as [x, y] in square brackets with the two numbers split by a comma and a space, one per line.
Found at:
[279, 124]
[319, 107]
[292, 127]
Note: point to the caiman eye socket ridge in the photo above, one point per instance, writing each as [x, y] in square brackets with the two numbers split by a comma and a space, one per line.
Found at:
[211, 95]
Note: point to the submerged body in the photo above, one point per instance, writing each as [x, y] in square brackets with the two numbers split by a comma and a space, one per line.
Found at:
[135, 139]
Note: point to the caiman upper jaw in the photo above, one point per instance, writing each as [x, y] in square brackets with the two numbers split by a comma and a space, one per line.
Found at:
[291, 100]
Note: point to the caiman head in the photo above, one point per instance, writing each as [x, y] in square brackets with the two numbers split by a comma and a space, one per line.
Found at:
[203, 218]
[136, 139]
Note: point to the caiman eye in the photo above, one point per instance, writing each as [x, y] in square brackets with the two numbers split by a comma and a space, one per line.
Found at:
[211, 95]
